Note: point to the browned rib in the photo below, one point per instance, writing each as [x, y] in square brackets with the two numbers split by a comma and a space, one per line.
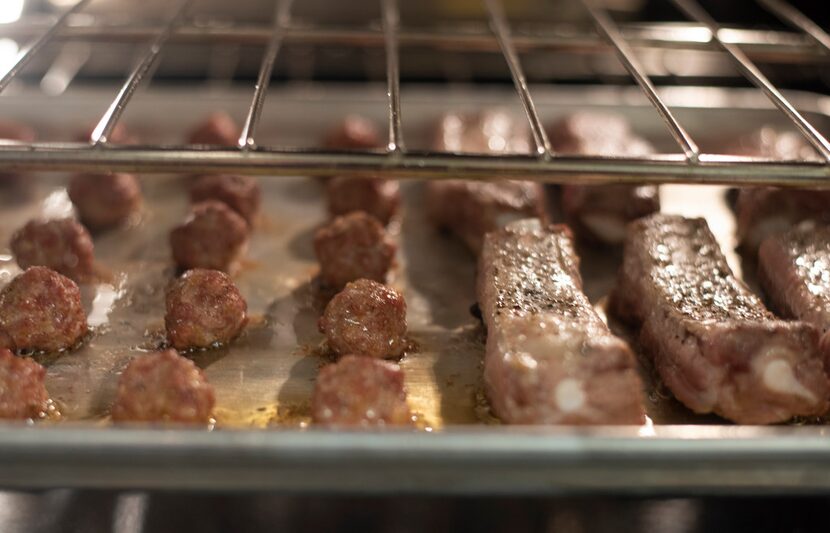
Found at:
[550, 359]
[712, 341]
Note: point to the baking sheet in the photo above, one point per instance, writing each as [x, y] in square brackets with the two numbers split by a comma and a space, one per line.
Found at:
[264, 380]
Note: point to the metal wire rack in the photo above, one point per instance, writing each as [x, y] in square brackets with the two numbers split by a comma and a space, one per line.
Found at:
[689, 165]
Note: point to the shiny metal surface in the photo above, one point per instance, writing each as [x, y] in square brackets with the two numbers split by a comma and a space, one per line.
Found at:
[282, 16]
[764, 45]
[501, 28]
[692, 167]
[273, 158]
[606, 27]
[265, 449]
[102, 131]
[679, 459]
[694, 11]
[37, 45]
[391, 27]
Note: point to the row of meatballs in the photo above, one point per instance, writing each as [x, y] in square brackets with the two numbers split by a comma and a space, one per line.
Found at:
[365, 322]
[204, 307]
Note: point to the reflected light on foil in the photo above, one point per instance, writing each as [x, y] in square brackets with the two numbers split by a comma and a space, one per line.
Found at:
[647, 429]
[10, 10]
[105, 298]
[57, 205]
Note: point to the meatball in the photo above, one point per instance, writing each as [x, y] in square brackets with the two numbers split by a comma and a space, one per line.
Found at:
[213, 236]
[63, 245]
[360, 391]
[40, 310]
[366, 318]
[104, 200]
[380, 198]
[352, 247]
[22, 392]
[204, 308]
[353, 133]
[219, 129]
[240, 193]
[163, 387]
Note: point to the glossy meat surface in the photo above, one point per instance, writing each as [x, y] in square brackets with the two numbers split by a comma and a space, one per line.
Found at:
[360, 391]
[22, 390]
[794, 269]
[213, 236]
[62, 245]
[240, 193]
[468, 208]
[204, 309]
[163, 387]
[549, 359]
[713, 342]
[380, 198]
[601, 212]
[104, 200]
[366, 318]
[352, 247]
[40, 310]
[765, 211]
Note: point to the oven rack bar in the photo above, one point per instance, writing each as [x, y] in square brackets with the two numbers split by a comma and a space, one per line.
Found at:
[692, 166]
[661, 168]
[282, 18]
[770, 46]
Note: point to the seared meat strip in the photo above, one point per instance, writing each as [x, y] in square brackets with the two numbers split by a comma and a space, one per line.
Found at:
[550, 359]
[794, 269]
[472, 208]
[601, 212]
[765, 211]
[713, 342]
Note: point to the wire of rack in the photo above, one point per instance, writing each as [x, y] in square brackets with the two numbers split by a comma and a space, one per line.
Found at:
[688, 166]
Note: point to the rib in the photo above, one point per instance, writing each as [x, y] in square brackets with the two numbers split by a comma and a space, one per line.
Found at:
[470, 209]
[765, 211]
[600, 213]
[550, 359]
[713, 342]
[794, 270]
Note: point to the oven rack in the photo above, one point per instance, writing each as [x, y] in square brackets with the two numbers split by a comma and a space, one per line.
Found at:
[689, 165]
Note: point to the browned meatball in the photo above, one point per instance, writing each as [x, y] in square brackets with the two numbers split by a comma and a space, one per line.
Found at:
[219, 129]
[380, 198]
[40, 310]
[163, 387]
[366, 318]
[352, 247]
[240, 193]
[22, 390]
[353, 133]
[360, 391]
[63, 245]
[204, 309]
[213, 236]
[105, 200]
